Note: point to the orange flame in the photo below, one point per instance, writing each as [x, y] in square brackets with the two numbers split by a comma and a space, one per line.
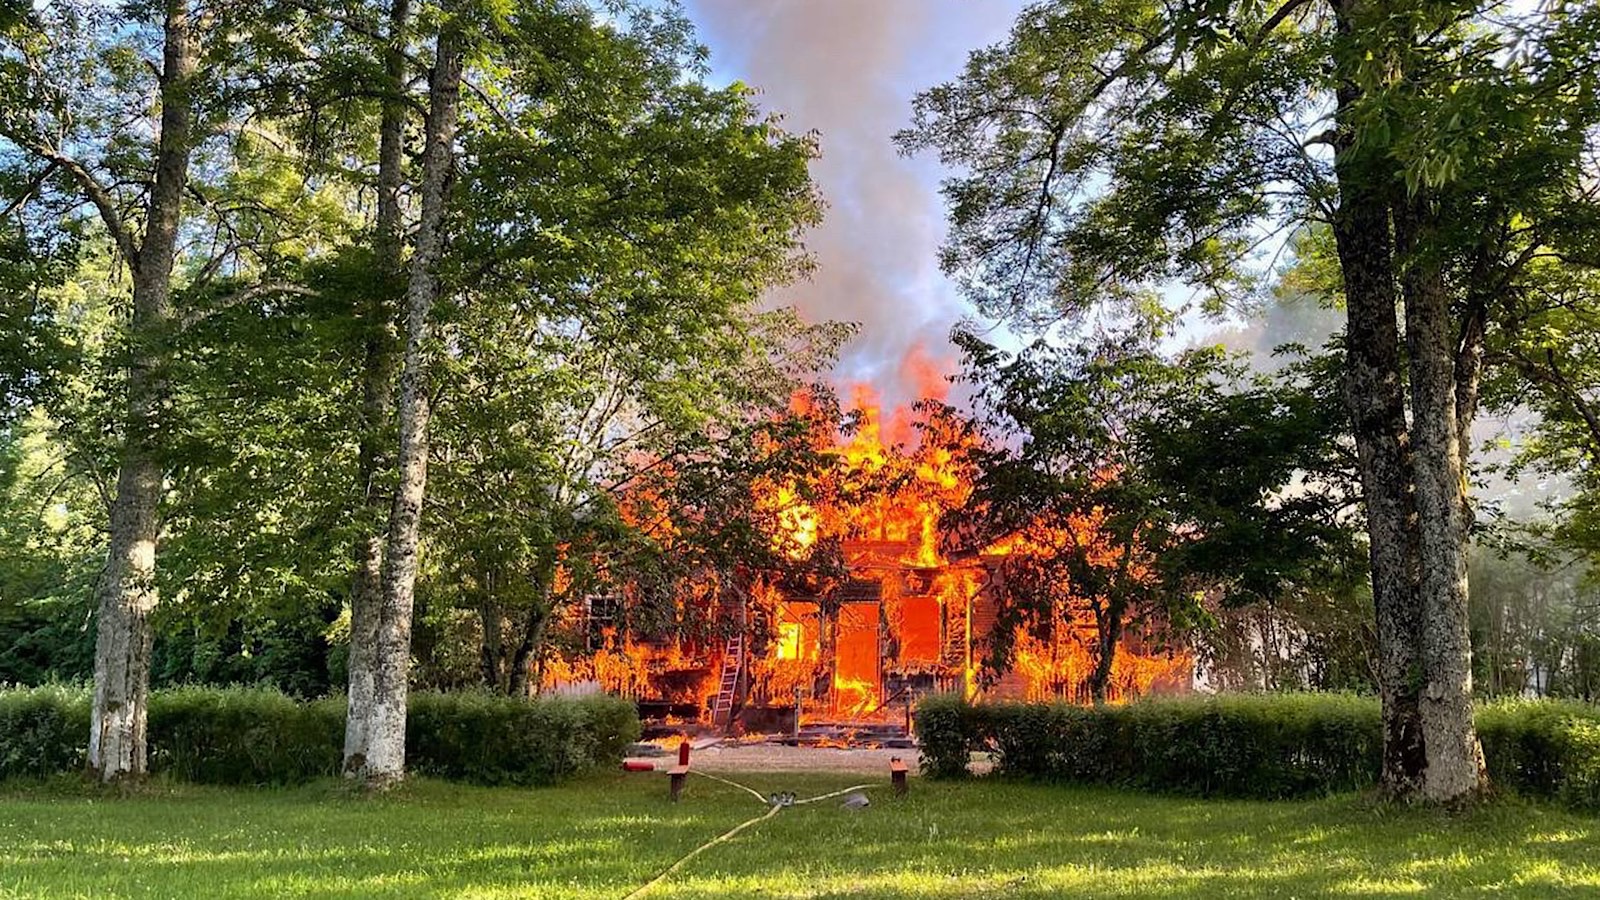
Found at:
[908, 615]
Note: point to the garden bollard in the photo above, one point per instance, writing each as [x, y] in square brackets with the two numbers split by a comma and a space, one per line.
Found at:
[678, 775]
[897, 776]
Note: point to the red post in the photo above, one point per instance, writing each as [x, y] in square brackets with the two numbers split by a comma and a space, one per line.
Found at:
[683, 753]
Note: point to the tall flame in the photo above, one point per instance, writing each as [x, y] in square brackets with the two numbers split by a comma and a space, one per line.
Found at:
[908, 615]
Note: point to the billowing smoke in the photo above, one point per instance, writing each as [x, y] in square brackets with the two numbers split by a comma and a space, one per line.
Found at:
[848, 69]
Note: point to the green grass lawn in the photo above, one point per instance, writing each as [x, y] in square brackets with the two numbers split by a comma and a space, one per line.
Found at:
[603, 836]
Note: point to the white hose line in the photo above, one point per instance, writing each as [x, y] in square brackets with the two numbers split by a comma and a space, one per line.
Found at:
[746, 788]
[859, 787]
[728, 835]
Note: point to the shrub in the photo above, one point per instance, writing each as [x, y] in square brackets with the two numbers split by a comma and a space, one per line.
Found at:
[1247, 746]
[489, 739]
[244, 736]
[260, 736]
[1241, 745]
[43, 731]
[945, 734]
[1286, 745]
[1543, 749]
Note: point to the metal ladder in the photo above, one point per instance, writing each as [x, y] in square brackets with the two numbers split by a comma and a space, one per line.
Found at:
[732, 660]
[955, 648]
[955, 651]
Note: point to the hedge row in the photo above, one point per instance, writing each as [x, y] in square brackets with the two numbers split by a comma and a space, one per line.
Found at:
[1287, 745]
[259, 736]
[1546, 749]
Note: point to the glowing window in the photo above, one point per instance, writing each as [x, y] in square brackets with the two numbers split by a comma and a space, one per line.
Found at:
[789, 640]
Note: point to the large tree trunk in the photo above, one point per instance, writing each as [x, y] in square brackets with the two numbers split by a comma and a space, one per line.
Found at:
[1110, 621]
[385, 727]
[1376, 401]
[1374, 394]
[1110, 633]
[491, 649]
[1454, 760]
[520, 682]
[377, 392]
[127, 590]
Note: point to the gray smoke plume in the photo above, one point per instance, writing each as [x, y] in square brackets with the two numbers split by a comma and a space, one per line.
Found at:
[848, 70]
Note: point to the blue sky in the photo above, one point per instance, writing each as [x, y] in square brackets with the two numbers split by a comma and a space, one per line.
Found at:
[848, 69]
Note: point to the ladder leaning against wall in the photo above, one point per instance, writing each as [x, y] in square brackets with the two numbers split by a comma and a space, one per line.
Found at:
[732, 663]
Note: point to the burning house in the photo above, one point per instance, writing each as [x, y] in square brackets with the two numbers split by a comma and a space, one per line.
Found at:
[905, 617]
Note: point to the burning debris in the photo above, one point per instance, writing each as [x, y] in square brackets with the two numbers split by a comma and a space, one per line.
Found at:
[888, 607]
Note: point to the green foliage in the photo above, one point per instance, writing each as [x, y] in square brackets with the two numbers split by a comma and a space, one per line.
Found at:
[1544, 749]
[42, 731]
[488, 739]
[606, 325]
[1201, 482]
[296, 649]
[1239, 745]
[616, 222]
[50, 556]
[947, 731]
[1106, 150]
[243, 736]
[1545, 364]
[261, 736]
[1284, 745]
[1533, 623]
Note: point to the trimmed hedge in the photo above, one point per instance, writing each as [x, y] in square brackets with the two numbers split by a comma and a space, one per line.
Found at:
[260, 736]
[1280, 745]
[244, 736]
[489, 739]
[43, 731]
[1545, 749]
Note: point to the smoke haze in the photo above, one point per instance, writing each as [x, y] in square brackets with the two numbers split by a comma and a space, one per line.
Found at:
[848, 70]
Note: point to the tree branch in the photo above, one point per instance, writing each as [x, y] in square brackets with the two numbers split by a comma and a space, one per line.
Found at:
[31, 188]
[96, 193]
[193, 316]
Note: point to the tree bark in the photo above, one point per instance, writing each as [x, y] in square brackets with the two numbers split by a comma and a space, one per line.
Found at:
[1376, 401]
[127, 590]
[384, 761]
[377, 393]
[508, 669]
[491, 649]
[1454, 759]
[1110, 622]
[1377, 409]
[1110, 632]
[520, 683]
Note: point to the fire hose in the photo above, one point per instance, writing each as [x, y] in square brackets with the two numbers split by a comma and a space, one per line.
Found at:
[775, 804]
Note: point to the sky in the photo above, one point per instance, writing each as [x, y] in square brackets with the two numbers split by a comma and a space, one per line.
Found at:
[848, 69]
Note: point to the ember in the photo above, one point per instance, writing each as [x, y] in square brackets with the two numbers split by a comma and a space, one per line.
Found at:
[908, 617]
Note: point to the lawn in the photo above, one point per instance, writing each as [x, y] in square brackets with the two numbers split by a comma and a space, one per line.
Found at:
[604, 836]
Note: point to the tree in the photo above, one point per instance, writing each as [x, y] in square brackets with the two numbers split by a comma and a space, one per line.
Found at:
[1534, 624]
[553, 446]
[1111, 150]
[377, 384]
[1123, 487]
[596, 191]
[73, 76]
[383, 757]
